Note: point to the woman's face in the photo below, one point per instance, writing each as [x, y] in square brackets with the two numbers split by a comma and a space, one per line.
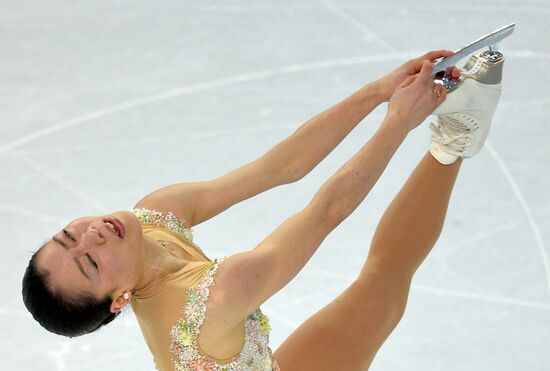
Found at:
[88, 257]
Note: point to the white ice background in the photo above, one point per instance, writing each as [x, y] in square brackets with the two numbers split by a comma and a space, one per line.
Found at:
[102, 102]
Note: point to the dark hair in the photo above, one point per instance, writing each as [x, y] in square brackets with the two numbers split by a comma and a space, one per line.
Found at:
[62, 315]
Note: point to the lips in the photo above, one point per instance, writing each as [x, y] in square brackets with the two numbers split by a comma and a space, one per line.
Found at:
[118, 226]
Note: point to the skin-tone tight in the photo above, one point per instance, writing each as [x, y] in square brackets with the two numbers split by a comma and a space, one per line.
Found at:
[348, 332]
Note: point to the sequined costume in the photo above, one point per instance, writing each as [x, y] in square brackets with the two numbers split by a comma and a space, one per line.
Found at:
[172, 308]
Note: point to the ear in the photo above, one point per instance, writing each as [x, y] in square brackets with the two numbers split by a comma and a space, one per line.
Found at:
[118, 303]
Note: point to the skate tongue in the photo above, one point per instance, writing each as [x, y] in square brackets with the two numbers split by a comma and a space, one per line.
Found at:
[443, 157]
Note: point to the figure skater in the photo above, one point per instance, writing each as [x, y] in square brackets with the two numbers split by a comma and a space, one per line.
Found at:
[201, 314]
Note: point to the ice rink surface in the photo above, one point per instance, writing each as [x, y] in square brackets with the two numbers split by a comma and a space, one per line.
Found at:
[102, 102]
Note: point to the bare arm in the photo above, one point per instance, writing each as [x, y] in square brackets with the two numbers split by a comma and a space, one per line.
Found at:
[286, 162]
[314, 140]
[247, 279]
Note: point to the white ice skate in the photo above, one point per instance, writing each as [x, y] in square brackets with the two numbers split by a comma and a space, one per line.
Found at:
[464, 118]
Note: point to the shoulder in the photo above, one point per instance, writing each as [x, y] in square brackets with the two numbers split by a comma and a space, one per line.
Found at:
[154, 213]
[162, 218]
[177, 199]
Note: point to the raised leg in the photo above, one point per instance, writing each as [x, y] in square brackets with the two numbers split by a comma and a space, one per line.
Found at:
[414, 219]
[348, 332]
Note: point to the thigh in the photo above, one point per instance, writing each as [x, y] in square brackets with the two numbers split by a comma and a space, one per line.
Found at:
[348, 332]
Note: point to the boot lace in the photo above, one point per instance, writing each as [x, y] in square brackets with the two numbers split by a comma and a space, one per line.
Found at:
[451, 134]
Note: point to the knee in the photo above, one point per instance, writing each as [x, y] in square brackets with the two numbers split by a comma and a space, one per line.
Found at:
[385, 294]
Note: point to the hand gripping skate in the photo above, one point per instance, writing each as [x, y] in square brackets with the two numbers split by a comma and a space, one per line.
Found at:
[464, 118]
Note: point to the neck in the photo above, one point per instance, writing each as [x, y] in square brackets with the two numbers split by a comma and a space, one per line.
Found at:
[153, 256]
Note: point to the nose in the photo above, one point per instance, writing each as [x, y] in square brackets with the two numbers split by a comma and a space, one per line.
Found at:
[92, 237]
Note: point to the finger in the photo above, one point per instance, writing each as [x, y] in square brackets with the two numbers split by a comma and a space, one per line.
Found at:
[408, 81]
[433, 55]
[425, 74]
[441, 94]
[416, 64]
[455, 72]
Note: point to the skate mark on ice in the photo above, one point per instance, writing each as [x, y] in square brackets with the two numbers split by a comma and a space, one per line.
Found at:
[226, 81]
[60, 352]
[370, 34]
[104, 144]
[449, 264]
[186, 90]
[64, 184]
[251, 76]
[31, 214]
[481, 297]
[526, 210]
[119, 144]
[528, 54]
[477, 237]
[538, 9]
[525, 103]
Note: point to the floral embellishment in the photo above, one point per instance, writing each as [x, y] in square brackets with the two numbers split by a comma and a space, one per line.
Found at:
[267, 363]
[184, 335]
[264, 324]
[251, 328]
[255, 353]
[170, 221]
[174, 347]
[202, 365]
[202, 290]
[186, 339]
[253, 316]
[192, 297]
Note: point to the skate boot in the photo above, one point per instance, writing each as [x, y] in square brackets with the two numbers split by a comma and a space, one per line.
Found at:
[464, 118]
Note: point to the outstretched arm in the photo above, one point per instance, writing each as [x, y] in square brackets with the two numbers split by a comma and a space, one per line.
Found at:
[247, 279]
[286, 162]
[313, 141]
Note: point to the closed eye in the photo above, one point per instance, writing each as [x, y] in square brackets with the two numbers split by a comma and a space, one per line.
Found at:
[92, 261]
[68, 235]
